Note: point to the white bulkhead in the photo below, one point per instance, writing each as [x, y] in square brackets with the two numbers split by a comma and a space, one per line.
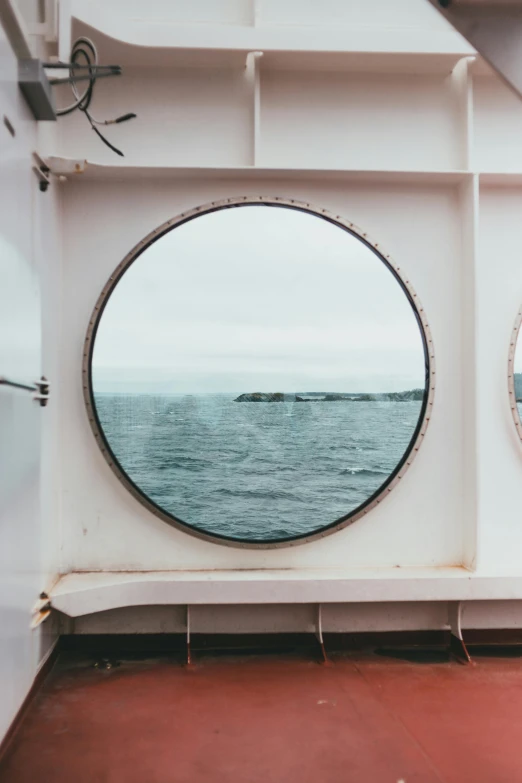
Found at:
[377, 112]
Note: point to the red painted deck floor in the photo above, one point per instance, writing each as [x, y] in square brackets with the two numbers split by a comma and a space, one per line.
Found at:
[363, 718]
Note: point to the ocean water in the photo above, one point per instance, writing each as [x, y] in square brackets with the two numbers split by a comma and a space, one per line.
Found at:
[256, 471]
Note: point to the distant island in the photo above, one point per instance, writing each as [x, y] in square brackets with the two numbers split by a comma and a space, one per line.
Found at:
[405, 396]
[265, 397]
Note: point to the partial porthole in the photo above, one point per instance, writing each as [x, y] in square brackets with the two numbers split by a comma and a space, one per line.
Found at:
[515, 374]
[257, 372]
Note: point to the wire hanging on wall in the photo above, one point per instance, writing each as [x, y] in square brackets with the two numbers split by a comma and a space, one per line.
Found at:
[83, 67]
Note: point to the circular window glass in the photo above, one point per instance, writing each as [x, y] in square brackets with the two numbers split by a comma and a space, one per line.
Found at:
[258, 372]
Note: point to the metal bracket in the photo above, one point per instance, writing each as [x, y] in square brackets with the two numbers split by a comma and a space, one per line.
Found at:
[319, 632]
[41, 388]
[42, 391]
[40, 611]
[34, 84]
[456, 645]
[90, 72]
[42, 171]
[63, 167]
[188, 655]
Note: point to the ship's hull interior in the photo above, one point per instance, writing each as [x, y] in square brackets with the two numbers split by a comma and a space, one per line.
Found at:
[260, 390]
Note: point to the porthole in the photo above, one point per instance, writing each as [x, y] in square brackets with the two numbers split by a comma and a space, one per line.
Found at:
[258, 372]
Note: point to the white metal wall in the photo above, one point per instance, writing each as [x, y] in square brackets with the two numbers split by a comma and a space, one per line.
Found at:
[407, 138]
[421, 521]
[373, 110]
[27, 540]
[377, 115]
[298, 618]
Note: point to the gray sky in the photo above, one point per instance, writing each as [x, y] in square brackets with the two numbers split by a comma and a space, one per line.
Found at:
[257, 299]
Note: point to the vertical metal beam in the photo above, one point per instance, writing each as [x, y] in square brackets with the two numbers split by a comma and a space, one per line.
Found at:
[15, 29]
[462, 93]
[252, 67]
[468, 206]
[65, 13]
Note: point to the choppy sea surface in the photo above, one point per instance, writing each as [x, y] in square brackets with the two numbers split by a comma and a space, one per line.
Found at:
[256, 471]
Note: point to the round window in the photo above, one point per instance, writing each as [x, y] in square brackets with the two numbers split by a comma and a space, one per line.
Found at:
[257, 372]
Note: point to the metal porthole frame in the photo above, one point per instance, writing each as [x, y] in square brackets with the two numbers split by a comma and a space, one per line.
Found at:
[511, 373]
[410, 453]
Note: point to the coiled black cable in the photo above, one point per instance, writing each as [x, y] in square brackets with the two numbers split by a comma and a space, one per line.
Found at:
[84, 48]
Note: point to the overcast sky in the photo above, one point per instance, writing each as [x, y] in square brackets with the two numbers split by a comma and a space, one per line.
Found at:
[257, 299]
